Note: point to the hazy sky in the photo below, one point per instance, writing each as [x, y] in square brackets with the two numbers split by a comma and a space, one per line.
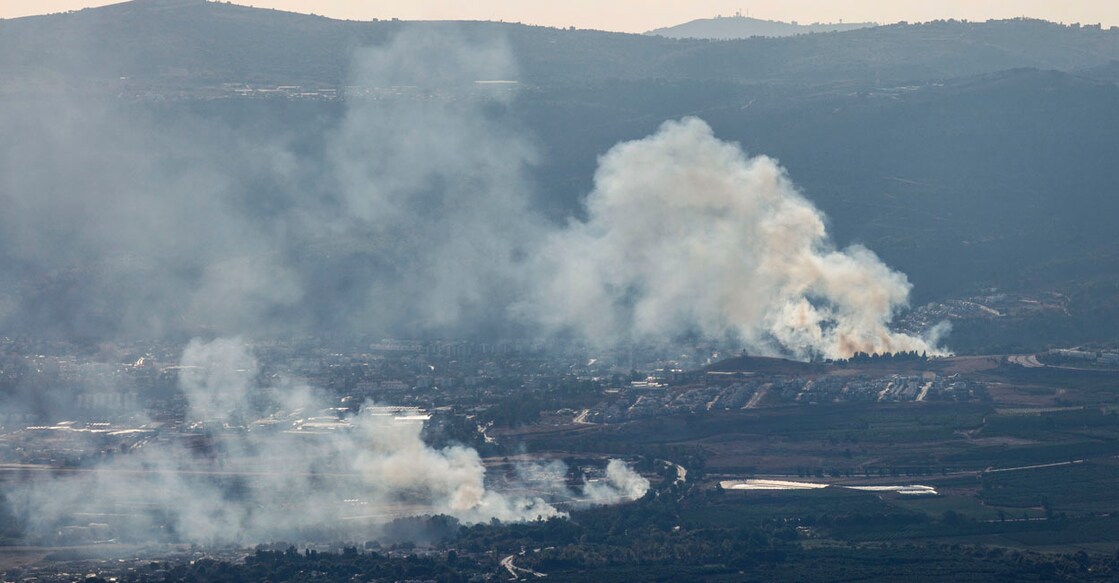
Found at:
[642, 15]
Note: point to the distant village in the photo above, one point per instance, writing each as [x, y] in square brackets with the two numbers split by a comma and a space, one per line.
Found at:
[67, 408]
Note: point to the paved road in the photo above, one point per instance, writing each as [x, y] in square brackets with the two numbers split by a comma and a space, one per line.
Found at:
[757, 398]
[507, 563]
[1025, 360]
[1034, 467]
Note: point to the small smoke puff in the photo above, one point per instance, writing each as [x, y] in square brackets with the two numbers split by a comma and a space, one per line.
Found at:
[621, 484]
[215, 378]
[685, 234]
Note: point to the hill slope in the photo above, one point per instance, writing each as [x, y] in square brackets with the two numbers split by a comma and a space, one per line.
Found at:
[739, 27]
[176, 43]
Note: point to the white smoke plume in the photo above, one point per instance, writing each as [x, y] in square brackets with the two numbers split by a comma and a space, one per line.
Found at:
[685, 234]
[304, 468]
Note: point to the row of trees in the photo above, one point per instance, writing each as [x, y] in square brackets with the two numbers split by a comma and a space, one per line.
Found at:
[910, 356]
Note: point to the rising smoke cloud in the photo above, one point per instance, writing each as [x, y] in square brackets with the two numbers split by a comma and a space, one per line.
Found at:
[685, 234]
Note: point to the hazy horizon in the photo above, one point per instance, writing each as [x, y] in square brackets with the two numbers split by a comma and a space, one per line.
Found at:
[635, 16]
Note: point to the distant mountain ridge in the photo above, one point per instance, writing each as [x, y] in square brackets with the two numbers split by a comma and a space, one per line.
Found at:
[740, 27]
[169, 44]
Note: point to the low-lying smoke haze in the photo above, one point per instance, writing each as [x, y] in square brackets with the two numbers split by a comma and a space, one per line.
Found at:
[303, 469]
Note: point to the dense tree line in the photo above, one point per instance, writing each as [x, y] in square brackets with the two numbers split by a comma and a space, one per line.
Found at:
[525, 407]
[863, 357]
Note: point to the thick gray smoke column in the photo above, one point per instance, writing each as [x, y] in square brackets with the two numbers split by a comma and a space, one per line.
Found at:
[685, 234]
[430, 167]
